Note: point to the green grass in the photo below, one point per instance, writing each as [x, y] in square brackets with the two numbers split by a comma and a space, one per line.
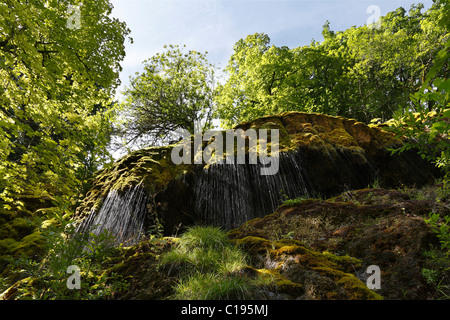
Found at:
[209, 267]
[436, 271]
[216, 286]
[293, 202]
[198, 237]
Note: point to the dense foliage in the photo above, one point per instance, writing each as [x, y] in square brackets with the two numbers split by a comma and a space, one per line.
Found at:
[67, 252]
[363, 72]
[56, 84]
[427, 124]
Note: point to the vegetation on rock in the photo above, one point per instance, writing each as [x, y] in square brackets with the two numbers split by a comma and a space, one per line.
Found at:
[370, 193]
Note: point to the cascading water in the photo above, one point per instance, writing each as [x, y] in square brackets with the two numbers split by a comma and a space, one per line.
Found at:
[228, 195]
[123, 215]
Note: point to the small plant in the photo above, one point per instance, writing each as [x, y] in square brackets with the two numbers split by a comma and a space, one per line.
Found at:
[443, 192]
[198, 237]
[441, 226]
[375, 184]
[293, 202]
[436, 271]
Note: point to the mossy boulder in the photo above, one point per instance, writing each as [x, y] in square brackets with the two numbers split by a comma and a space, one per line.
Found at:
[19, 234]
[353, 231]
[138, 265]
[320, 155]
[298, 272]
[163, 181]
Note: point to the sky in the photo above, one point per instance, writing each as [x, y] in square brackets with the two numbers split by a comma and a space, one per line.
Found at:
[214, 26]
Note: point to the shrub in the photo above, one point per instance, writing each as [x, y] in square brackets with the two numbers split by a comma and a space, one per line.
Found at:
[442, 229]
[63, 248]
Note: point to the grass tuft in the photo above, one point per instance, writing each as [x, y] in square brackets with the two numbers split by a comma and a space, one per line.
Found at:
[210, 267]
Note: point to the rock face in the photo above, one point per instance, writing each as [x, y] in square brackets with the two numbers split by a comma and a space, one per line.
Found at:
[319, 156]
[312, 248]
[379, 227]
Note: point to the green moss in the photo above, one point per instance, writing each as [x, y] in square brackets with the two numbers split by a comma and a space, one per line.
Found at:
[355, 288]
[7, 215]
[289, 250]
[151, 166]
[254, 244]
[7, 231]
[289, 287]
[30, 245]
[7, 246]
[281, 283]
[234, 233]
[345, 263]
[22, 226]
[337, 268]
[287, 242]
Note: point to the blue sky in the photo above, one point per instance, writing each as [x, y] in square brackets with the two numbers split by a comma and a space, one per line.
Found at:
[216, 25]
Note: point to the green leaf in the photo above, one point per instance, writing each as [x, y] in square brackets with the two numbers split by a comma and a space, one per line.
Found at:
[440, 127]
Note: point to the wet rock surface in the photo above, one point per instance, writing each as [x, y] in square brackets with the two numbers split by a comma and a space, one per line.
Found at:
[320, 156]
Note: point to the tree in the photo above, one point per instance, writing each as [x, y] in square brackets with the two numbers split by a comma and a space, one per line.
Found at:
[56, 83]
[390, 62]
[427, 124]
[257, 72]
[175, 91]
[362, 72]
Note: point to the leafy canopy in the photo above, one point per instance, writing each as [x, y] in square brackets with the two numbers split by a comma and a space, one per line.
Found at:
[175, 91]
[55, 89]
[427, 124]
[362, 72]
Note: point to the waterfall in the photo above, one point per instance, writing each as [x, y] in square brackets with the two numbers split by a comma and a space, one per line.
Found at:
[123, 215]
[228, 195]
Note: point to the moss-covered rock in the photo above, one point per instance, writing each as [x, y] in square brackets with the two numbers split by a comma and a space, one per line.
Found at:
[19, 235]
[138, 265]
[152, 167]
[354, 230]
[312, 248]
[301, 273]
[320, 155]
[163, 181]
